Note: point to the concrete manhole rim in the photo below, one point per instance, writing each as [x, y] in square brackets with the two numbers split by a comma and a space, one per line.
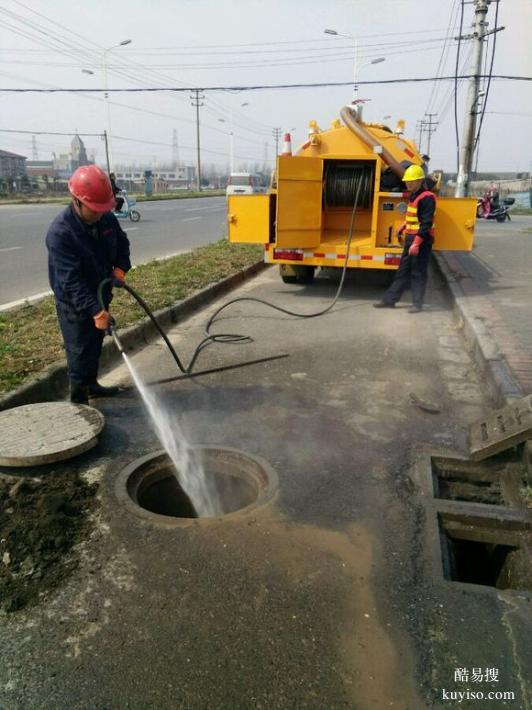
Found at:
[267, 489]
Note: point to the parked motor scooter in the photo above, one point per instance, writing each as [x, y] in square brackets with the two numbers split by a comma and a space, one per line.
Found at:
[489, 207]
[126, 209]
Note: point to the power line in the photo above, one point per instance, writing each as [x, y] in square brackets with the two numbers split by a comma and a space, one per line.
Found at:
[489, 76]
[443, 57]
[258, 87]
[457, 134]
[51, 133]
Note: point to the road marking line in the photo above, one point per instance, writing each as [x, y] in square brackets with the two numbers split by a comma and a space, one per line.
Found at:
[11, 248]
[190, 219]
[132, 229]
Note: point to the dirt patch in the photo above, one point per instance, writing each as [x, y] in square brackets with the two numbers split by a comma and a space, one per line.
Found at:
[40, 522]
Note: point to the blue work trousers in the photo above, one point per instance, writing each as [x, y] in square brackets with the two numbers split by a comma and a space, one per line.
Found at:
[83, 345]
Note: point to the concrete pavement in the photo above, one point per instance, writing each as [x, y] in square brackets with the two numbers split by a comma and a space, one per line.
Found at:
[330, 597]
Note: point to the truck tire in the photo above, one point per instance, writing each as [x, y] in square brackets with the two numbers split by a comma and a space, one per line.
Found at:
[301, 275]
[305, 274]
[289, 279]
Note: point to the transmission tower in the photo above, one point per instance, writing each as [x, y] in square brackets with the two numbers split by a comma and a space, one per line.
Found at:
[175, 149]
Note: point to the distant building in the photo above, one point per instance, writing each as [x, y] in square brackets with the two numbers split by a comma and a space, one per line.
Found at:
[40, 168]
[67, 163]
[180, 177]
[12, 166]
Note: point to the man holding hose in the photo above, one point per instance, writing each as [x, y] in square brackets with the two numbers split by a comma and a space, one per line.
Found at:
[86, 245]
[418, 233]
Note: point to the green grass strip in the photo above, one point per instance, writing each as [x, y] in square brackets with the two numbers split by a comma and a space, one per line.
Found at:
[29, 335]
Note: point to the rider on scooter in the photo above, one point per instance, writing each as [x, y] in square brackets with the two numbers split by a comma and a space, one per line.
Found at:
[116, 192]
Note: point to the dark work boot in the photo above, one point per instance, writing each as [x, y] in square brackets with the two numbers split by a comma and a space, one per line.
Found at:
[78, 393]
[97, 390]
[384, 304]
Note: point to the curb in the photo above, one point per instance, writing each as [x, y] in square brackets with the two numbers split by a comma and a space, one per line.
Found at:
[502, 383]
[52, 383]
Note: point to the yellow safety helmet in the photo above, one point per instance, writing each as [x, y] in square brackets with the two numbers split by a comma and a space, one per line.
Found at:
[413, 172]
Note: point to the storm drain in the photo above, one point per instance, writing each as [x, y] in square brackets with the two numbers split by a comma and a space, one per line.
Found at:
[488, 552]
[490, 482]
[478, 526]
[149, 488]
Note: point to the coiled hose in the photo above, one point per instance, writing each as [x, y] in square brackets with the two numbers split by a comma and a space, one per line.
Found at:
[234, 337]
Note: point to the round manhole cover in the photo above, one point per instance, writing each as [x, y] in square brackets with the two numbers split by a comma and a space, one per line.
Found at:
[46, 432]
[236, 482]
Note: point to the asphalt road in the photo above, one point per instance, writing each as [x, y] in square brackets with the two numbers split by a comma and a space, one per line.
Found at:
[166, 227]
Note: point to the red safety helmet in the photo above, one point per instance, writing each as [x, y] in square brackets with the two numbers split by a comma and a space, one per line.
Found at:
[91, 186]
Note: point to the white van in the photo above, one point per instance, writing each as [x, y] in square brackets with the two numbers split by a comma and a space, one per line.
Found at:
[243, 184]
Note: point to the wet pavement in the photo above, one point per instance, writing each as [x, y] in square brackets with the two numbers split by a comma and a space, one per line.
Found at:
[332, 595]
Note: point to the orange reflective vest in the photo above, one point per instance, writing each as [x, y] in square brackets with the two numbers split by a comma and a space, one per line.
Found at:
[411, 218]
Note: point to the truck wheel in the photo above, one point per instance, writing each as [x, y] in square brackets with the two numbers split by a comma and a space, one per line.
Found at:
[288, 273]
[305, 274]
[289, 279]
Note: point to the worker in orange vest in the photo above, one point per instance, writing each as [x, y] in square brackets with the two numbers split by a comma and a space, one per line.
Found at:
[418, 233]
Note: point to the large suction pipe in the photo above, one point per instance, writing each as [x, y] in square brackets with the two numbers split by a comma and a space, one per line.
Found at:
[351, 120]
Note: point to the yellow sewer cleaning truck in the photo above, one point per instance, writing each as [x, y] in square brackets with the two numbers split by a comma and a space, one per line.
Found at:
[305, 219]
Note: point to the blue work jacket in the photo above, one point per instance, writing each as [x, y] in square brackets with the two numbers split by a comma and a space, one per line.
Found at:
[80, 256]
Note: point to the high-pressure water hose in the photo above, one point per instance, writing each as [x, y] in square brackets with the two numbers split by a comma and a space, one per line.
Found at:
[227, 337]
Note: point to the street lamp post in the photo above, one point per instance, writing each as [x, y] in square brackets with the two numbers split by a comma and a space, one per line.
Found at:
[356, 68]
[106, 95]
[104, 134]
[231, 137]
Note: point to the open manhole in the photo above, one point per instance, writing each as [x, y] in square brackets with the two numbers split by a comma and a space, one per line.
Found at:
[235, 481]
[489, 552]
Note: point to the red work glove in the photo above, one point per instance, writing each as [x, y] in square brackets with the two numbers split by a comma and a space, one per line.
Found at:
[102, 320]
[414, 248]
[119, 277]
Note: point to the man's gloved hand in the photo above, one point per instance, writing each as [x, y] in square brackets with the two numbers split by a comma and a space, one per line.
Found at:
[119, 277]
[103, 320]
[414, 248]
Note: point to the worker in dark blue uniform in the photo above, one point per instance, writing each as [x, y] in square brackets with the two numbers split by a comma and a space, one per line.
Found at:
[418, 233]
[86, 245]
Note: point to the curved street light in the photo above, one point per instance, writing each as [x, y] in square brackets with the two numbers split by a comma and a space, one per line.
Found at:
[356, 68]
[231, 136]
[106, 95]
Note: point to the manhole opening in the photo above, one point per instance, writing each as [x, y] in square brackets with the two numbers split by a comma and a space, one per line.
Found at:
[485, 482]
[160, 493]
[496, 561]
[234, 481]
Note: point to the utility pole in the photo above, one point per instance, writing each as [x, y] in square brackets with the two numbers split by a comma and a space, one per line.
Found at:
[420, 126]
[430, 130]
[196, 101]
[466, 154]
[276, 133]
[107, 152]
[34, 151]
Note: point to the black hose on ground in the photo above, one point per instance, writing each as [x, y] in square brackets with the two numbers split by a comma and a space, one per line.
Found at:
[233, 337]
